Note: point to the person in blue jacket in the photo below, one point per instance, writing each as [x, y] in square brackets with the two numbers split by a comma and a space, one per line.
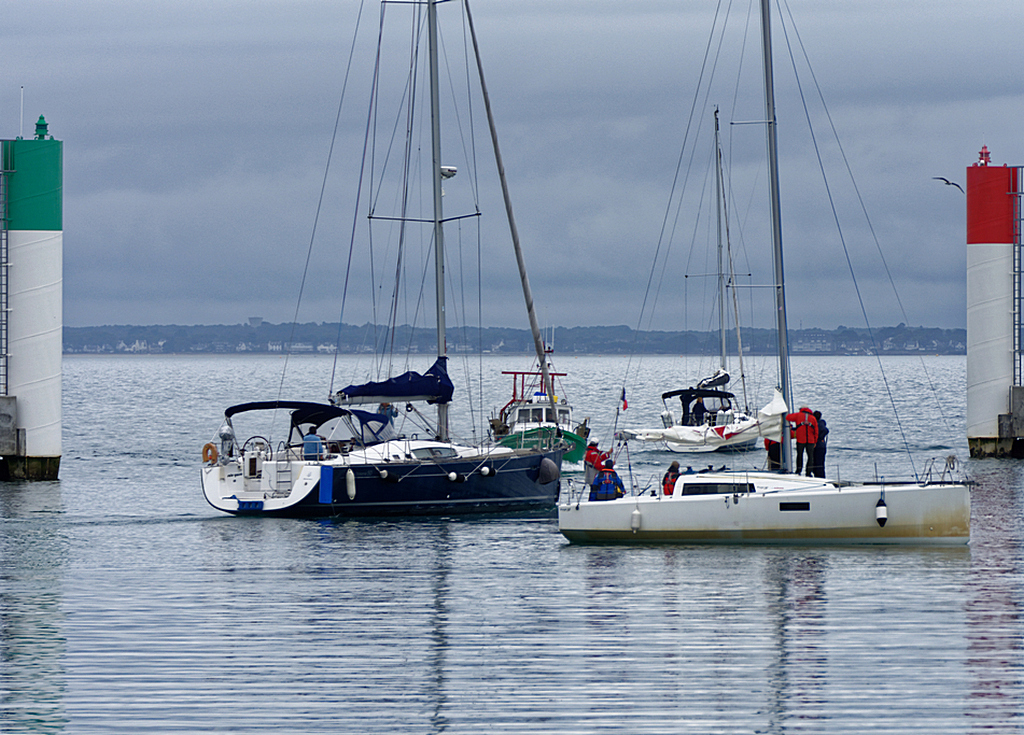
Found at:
[607, 485]
[312, 447]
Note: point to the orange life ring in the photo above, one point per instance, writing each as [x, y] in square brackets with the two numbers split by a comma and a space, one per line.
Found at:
[209, 453]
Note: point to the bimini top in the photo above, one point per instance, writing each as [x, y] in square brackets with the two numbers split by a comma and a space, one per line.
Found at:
[303, 412]
[433, 386]
[306, 416]
[690, 394]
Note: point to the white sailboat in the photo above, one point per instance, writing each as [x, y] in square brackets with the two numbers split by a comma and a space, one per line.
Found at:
[769, 507]
[724, 430]
[338, 460]
[710, 420]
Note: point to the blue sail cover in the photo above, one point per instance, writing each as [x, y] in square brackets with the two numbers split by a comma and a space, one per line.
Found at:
[433, 386]
[374, 427]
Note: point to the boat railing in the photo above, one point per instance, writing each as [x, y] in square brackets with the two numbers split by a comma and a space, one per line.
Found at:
[952, 470]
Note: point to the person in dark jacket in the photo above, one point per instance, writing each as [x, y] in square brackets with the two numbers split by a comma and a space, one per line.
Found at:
[668, 482]
[607, 485]
[699, 412]
[821, 446]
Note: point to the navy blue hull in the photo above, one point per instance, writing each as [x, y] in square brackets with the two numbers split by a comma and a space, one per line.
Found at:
[422, 489]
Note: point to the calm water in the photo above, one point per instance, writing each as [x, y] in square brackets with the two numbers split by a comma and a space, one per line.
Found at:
[128, 605]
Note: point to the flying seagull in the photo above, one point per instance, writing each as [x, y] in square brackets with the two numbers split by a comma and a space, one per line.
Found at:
[949, 183]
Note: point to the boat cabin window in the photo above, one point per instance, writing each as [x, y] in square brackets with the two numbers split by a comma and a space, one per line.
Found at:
[434, 453]
[717, 488]
[563, 416]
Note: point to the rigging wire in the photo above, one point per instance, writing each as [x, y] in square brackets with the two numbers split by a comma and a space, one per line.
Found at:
[469, 153]
[319, 205]
[367, 150]
[662, 240]
[475, 189]
[867, 218]
[842, 238]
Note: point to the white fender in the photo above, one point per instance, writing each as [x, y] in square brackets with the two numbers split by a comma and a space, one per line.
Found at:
[350, 484]
[634, 520]
[881, 512]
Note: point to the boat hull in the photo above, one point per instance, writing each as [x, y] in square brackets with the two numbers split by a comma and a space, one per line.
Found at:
[547, 436]
[484, 484]
[801, 512]
[747, 445]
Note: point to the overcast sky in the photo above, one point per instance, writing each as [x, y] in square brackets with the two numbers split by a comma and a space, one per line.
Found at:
[196, 134]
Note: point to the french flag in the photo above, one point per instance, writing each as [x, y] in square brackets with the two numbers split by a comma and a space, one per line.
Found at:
[624, 404]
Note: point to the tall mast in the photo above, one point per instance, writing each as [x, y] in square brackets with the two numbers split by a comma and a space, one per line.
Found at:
[725, 259]
[773, 193]
[721, 273]
[538, 342]
[435, 147]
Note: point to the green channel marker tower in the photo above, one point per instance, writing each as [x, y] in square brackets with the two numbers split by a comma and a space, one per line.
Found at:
[31, 303]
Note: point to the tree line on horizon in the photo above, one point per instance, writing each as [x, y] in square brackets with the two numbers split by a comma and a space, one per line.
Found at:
[321, 337]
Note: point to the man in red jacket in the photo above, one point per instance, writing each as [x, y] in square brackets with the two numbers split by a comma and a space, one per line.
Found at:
[805, 431]
[593, 461]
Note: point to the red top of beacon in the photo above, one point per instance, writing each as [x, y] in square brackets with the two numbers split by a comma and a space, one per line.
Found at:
[990, 202]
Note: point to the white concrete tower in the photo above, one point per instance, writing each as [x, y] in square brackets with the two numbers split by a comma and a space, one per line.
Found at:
[994, 424]
[31, 319]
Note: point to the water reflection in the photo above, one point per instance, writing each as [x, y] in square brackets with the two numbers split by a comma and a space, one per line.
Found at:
[439, 620]
[32, 645]
[993, 604]
[127, 605]
[794, 591]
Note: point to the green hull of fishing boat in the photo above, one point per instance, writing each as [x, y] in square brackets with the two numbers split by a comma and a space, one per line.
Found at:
[546, 437]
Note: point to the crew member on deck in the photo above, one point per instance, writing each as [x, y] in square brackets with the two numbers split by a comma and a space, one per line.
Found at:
[607, 485]
[593, 461]
[699, 412]
[821, 446]
[312, 446]
[668, 482]
[805, 430]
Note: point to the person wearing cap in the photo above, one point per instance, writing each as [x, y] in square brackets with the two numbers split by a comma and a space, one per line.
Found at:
[668, 482]
[593, 461]
[607, 485]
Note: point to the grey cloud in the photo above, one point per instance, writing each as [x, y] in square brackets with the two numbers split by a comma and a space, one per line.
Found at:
[195, 139]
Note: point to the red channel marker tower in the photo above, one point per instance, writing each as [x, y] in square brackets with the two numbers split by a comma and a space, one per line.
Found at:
[995, 398]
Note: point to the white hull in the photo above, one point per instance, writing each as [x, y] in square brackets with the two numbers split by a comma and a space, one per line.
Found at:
[784, 509]
[745, 445]
[741, 434]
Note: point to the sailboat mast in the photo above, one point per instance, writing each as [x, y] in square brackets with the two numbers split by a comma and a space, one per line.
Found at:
[531, 312]
[435, 147]
[721, 273]
[773, 194]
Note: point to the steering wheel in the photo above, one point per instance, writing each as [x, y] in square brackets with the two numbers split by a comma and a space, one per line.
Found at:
[253, 439]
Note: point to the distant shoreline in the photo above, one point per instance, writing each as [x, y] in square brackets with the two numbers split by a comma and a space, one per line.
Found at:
[259, 337]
